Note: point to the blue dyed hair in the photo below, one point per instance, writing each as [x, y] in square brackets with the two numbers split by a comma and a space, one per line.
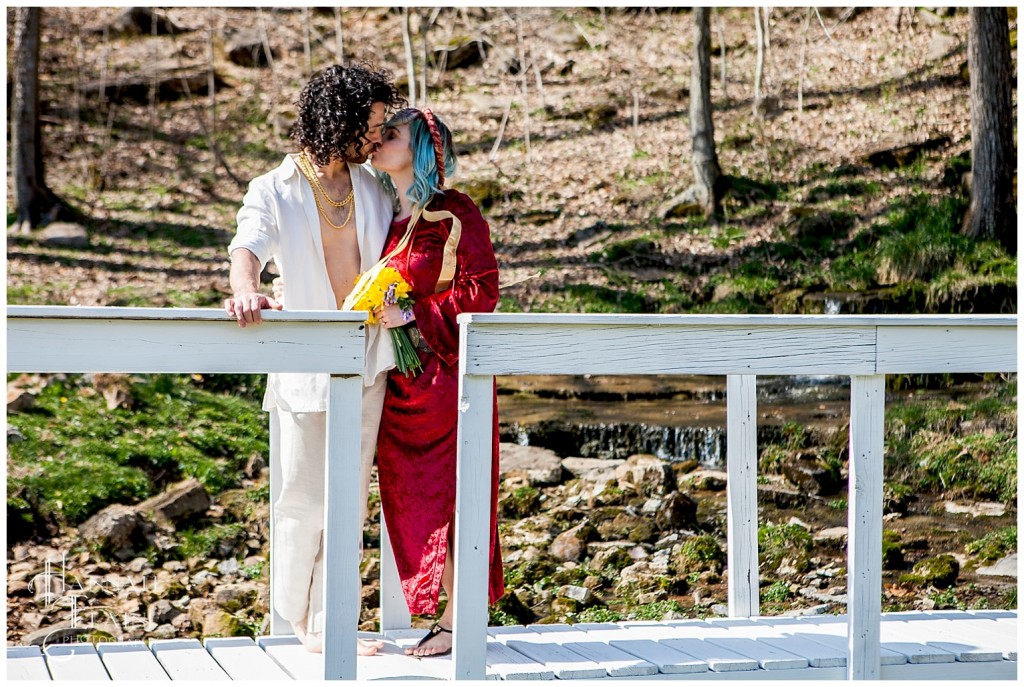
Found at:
[424, 161]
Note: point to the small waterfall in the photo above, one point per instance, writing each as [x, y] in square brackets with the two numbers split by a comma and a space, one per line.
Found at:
[832, 306]
[706, 445]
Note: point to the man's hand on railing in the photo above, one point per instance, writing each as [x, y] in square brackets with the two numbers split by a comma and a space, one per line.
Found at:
[245, 307]
[278, 285]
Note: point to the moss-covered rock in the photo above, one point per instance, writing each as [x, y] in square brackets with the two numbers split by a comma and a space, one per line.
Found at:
[700, 553]
[892, 551]
[940, 571]
[521, 503]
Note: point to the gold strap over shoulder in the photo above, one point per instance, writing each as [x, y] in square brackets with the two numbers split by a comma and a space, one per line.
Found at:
[447, 265]
[444, 280]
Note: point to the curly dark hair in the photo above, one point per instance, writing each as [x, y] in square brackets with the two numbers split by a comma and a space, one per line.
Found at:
[334, 108]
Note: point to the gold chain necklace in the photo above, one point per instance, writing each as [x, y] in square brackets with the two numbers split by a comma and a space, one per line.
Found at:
[310, 175]
[310, 171]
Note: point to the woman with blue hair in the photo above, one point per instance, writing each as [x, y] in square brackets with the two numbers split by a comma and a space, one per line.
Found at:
[441, 245]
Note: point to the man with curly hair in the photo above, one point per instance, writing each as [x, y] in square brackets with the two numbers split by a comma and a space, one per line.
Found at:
[323, 218]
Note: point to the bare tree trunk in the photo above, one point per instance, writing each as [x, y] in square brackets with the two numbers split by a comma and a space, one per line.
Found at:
[211, 76]
[803, 55]
[759, 68]
[338, 36]
[524, 83]
[704, 159]
[276, 94]
[720, 23]
[410, 62]
[307, 50]
[32, 199]
[424, 25]
[993, 211]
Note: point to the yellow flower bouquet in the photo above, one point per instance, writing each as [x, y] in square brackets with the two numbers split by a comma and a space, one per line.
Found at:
[380, 288]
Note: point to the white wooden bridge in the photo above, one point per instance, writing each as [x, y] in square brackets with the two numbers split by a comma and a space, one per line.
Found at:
[862, 644]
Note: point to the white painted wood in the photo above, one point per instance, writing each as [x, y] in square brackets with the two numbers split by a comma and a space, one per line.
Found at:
[394, 612]
[767, 656]
[947, 349]
[834, 635]
[867, 450]
[278, 625]
[130, 661]
[662, 349]
[741, 492]
[719, 658]
[763, 630]
[342, 529]
[951, 673]
[509, 664]
[288, 653]
[618, 663]
[60, 345]
[968, 640]
[812, 675]
[992, 613]
[668, 660]
[186, 659]
[26, 663]
[566, 663]
[80, 313]
[783, 321]
[240, 658]
[472, 521]
[77, 661]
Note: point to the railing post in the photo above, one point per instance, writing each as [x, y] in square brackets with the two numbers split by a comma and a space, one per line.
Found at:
[394, 612]
[472, 521]
[741, 516]
[342, 531]
[864, 556]
[278, 625]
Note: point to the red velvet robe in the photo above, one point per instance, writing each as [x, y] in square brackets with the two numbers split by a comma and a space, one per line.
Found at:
[417, 442]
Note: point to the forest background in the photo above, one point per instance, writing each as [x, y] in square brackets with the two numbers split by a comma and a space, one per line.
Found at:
[843, 138]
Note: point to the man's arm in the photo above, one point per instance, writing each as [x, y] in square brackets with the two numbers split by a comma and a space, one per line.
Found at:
[247, 301]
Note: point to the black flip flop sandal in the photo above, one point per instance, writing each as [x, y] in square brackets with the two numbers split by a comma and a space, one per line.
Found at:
[434, 631]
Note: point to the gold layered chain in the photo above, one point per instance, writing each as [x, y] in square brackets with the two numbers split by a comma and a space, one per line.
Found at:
[308, 171]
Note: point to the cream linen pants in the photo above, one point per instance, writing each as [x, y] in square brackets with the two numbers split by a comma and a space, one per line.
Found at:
[297, 533]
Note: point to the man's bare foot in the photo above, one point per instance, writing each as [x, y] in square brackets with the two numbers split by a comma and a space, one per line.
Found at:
[437, 642]
[368, 647]
[311, 642]
[314, 641]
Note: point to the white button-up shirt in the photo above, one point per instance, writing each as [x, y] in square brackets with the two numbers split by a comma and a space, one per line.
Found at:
[279, 220]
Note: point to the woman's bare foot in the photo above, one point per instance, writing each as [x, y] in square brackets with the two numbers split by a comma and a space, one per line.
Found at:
[437, 642]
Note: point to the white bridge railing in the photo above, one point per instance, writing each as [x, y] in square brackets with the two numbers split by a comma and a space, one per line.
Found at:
[136, 340]
[739, 346]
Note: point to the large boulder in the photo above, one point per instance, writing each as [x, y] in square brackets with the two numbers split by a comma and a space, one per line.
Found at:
[178, 503]
[116, 529]
[591, 469]
[542, 466]
[571, 545]
[247, 49]
[811, 475]
[676, 511]
[66, 234]
[646, 474]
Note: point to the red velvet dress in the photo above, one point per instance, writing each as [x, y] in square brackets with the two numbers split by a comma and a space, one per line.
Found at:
[417, 442]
